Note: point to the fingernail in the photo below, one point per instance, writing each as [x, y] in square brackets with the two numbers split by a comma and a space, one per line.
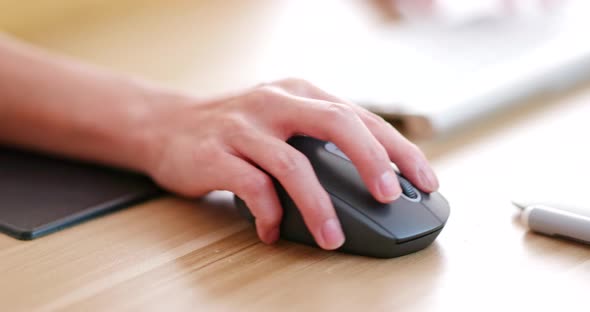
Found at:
[428, 178]
[332, 234]
[387, 186]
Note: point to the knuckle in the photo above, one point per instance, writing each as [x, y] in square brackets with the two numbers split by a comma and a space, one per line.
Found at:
[262, 97]
[376, 121]
[320, 210]
[206, 150]
[295, 81]
[235, 124]
[337, 111]
[298, 86]
[264, 94]
[255, 185]
[378, 153]
[286, 163]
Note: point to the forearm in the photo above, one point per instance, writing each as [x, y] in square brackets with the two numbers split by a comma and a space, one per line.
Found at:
[60, 106]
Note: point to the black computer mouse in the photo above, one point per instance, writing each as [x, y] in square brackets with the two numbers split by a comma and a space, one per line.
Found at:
[406, 225]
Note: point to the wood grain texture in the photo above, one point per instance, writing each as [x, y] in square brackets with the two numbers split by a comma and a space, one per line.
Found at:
[175, 254]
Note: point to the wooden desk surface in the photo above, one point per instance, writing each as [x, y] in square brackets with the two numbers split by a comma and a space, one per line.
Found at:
[174, 255]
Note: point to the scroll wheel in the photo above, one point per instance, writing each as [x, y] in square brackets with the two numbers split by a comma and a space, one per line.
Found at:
[407, 188]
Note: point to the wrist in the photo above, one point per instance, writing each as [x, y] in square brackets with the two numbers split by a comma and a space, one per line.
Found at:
[145, 132]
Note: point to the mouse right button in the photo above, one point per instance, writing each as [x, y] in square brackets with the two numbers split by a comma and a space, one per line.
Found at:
[407, 221]
[438, 205]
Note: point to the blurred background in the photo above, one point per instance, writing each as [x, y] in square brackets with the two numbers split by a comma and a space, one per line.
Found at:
[430, 66]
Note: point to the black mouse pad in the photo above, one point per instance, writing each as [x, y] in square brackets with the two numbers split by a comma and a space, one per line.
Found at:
[40, 194]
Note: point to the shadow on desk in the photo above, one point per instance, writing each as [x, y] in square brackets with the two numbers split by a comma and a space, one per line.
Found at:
[279, 275]
[230, 269]
[177, 254]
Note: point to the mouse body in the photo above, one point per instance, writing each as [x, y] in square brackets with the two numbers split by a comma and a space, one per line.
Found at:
[406, 225]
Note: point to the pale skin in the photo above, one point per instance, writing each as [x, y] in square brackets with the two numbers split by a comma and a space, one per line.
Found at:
[191, 145]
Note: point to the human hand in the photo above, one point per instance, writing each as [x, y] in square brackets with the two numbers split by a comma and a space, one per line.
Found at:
[225, 144]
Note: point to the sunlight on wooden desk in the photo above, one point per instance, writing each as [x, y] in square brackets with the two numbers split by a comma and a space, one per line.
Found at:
[173, 254]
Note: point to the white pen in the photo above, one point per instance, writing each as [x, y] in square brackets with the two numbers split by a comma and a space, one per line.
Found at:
[554, 221]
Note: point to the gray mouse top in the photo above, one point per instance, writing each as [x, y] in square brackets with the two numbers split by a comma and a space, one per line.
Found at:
[408, 224]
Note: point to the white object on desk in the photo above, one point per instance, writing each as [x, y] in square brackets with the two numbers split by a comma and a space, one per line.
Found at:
[554, 221]
[433, 77]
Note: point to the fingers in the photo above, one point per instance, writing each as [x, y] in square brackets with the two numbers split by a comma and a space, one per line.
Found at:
[339, 124]
[406, 155]
[409, 158]
[257, 190]
[296, 175]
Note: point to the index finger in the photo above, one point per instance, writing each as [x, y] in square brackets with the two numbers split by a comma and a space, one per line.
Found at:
[339, 124]
[409, 158]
